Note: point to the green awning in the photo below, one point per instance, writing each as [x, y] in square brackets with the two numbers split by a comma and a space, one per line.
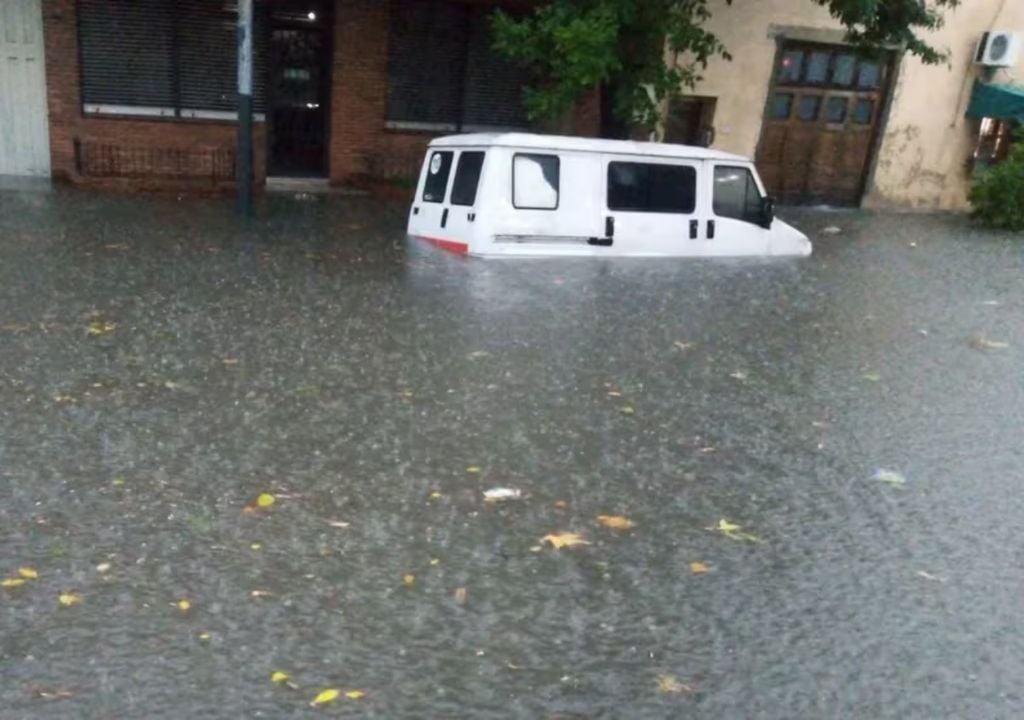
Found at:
[1002, 102]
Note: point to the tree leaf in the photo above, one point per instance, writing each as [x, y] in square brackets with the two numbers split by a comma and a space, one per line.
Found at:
[12, 582]
[325, 696]
[563, 540]
[409, 579]
[354, 694]
[184, 605]
[473, 469]
[279, 676]
[68, 599]
[28, 573]
[699, 568]
[265, 500]
[734, 532]
[616, 522]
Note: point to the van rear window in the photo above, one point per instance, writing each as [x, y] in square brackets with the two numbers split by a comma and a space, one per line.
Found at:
[649, 187]
[467, 178]
[437, 176]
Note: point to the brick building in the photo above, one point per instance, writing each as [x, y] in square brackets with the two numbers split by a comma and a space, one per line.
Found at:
[142, 92]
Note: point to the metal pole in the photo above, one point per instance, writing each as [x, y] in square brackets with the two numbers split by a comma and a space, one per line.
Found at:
[243, 169]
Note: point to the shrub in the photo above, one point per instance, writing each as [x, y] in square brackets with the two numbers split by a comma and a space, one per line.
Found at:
[998, 193]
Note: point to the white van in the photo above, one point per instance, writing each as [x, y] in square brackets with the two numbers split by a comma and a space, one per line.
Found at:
[533, 195]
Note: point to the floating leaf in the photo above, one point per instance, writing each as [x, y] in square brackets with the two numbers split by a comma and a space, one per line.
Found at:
[47, 694]
[738, 375]
[261, 593]
[670, 685]
[256, 546]
[325, 696]
[204, 636]
[473, 469]
[979, 342]
[265, 500]
[683, 346]
[889, 476]
[627, 410]
[69, 598]
[103, 567]
[699, 568]
[12, 582]
[872, 377]
[409, 579]
[563, 540]
[615, 522]
[279, 676]
[501, 494]
[561, 504]
[435, 495]
[184, 605]
[734, 532]
[434, 562]
[354, 694]
[28, 573]
[460, 595]
[614, 393]
[338, 523]
[98, 328]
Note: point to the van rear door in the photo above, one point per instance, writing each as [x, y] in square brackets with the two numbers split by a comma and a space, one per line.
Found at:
[430, 210]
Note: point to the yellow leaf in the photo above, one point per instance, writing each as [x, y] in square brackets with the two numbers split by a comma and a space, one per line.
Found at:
[436, 495]
[325, 696]
[473, 469]
[184, 605]
[204, 636]
[12, 582]
[256, 546]
[279, 676]
[119, 480]
[565, 539]
[435, 562]
[354, 694]
[614, 393]
[69, 598]
[627, 410]
[99, 327]
[28, 573]
[409, 579]
[726, 526]
[265, 500]
[734, 532]
[615, 522]
[698, 568]
[669, 684]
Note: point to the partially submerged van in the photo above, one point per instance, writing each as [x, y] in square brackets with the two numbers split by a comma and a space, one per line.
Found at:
[518, 194]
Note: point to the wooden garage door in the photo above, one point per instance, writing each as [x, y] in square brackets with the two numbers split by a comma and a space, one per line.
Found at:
[823, 108]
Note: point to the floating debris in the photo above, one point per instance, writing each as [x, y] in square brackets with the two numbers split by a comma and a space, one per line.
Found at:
[501, 494]
[890, 477]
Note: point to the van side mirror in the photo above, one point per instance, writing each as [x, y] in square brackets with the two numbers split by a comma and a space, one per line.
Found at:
[767, 211]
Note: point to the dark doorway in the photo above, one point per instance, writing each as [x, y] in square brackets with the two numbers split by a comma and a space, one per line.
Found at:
[300, 85]
[690, 121]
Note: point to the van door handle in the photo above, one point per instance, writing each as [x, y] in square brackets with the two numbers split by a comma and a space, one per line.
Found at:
[609, 227]
[444, 217]
[711, 229]
[694, 224]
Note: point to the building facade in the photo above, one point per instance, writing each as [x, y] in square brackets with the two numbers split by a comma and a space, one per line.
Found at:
[826, 124]
[141, 93]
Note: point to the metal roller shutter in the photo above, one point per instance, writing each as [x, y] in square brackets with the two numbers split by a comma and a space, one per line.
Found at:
[176, 55]
[426, 57]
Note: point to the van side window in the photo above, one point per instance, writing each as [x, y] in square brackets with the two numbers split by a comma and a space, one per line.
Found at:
[467, 178]
[437, 177]
[736, 194]
[535, 181]
[649, 187]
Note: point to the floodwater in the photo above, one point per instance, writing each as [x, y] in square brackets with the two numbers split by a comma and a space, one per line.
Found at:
[376, 388]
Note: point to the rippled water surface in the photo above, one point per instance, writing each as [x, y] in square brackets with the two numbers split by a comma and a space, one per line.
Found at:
[377, 388]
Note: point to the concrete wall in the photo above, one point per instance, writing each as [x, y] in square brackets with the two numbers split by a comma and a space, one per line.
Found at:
[922, 160]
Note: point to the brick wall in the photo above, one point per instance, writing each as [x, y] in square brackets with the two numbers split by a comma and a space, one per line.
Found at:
[155, 153]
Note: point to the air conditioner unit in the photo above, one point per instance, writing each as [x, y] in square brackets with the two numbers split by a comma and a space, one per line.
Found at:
[998, 48]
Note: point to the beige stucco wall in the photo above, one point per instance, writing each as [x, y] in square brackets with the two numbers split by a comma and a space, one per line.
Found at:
[927, 141]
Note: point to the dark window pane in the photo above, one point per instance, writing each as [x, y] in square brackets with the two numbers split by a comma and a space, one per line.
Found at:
[782, 105]
[437, 177]
[835, 109]
[535, 182]
[842, 70]
[809, 106]
[646, 187]
[736, 194]
[467, 178]
[869, 75]
[863, 111]
[817, 67]
[792, 66]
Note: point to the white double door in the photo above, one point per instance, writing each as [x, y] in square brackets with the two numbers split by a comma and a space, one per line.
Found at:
[24, 126]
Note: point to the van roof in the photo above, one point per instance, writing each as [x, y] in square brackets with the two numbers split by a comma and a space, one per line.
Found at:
[534, 141]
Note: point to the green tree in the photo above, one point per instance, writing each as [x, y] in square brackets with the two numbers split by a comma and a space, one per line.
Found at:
[573, 46]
